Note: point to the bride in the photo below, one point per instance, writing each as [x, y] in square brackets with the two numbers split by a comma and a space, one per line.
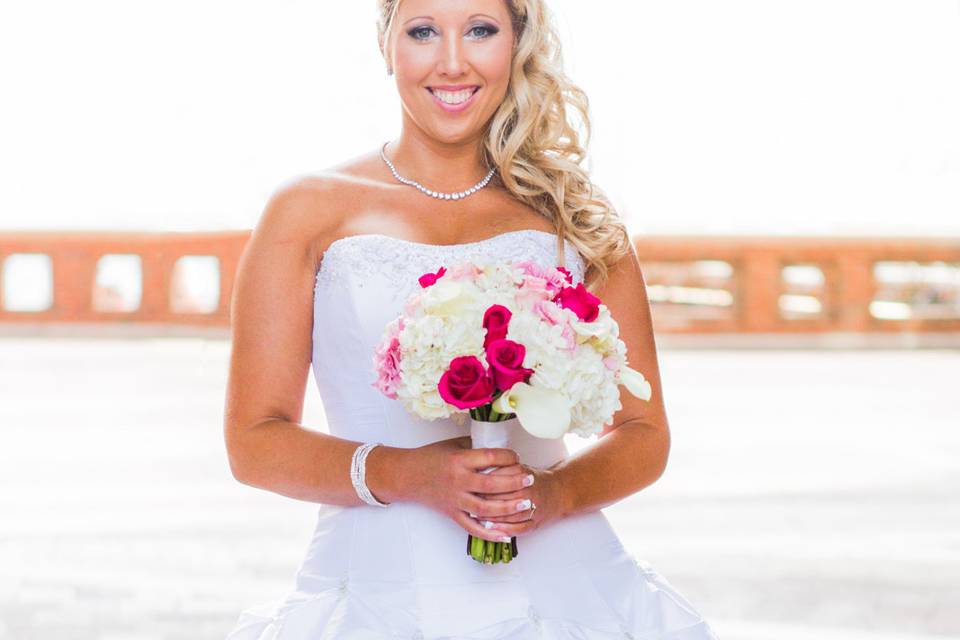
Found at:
[487, 164]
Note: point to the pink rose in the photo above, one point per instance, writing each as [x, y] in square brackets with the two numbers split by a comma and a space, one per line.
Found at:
[553, 279]
[580, 301]
[506, 363]
[566, 274]
[466, 383]
[386, 361]
[495, 320]
[428, 279]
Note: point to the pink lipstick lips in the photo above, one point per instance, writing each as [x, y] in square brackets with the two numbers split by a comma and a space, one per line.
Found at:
[454, 98]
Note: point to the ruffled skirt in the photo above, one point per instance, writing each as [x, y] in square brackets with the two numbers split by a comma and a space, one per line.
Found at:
[403, 572]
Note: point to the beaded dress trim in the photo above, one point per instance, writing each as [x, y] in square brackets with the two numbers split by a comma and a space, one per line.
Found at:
[360, 256]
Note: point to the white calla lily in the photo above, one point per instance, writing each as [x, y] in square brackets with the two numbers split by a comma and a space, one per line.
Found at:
[635, 383]
[544, 413]
[502, 403]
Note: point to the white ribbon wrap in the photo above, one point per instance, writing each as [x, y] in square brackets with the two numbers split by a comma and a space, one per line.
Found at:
[539, 453]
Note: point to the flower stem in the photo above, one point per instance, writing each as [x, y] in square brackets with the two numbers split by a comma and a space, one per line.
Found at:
[481, 550]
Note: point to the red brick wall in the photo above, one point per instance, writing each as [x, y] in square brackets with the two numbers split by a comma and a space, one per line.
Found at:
[739, 290]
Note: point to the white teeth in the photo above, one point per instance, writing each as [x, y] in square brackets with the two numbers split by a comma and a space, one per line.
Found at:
[453, 97]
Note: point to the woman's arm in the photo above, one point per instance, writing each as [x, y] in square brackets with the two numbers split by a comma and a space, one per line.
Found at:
[312, 466]
[631, 453]
[272, 322]
[271, 317]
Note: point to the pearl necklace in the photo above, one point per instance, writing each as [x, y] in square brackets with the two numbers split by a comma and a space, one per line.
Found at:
[436, 194]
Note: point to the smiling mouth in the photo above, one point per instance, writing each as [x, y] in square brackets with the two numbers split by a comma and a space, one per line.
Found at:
[453, 97]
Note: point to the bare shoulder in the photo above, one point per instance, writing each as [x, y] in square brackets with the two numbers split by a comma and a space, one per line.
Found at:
[312, 209]
[310, 202]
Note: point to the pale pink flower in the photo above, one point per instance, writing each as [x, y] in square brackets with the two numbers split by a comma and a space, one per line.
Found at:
[554, 278]
[570, 336]
[464, 271]
[386, 360]
[533, 290]
[550, 312]
[553, 314]
[412, 304]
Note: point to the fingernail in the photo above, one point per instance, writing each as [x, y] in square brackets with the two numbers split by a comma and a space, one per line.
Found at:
[473, 515]
[528, 480]
[523, 504]
[487, 524]
[505, 539]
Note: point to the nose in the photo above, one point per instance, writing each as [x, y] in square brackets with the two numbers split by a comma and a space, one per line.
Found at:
[452, 62]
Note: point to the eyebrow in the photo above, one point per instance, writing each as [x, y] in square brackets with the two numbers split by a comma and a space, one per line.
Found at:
[476, 15]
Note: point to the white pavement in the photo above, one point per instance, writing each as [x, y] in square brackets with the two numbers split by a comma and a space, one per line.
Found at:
[809, 494]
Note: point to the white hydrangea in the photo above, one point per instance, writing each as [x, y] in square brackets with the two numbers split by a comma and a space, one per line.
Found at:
[445, 321]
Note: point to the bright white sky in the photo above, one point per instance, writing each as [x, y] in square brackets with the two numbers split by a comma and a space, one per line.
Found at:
[710, 116]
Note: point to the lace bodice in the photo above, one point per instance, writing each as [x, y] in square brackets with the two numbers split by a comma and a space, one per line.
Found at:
[361, 285]
[400, 262]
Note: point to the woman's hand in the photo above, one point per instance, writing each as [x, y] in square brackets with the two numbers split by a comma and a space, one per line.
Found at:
[546, 503]
[445, 476]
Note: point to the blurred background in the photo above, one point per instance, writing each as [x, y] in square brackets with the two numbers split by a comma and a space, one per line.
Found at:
[790, 172]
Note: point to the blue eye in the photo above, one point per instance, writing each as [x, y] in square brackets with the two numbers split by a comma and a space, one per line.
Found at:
[478, 32]
[413, 32]
[489, 30]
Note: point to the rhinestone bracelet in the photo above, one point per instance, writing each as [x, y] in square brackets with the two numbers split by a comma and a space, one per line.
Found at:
[358, 471]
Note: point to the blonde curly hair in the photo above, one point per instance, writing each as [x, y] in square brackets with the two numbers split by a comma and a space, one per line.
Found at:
[537, 150]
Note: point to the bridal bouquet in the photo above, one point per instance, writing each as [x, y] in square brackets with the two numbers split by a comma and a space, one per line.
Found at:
[499, 341]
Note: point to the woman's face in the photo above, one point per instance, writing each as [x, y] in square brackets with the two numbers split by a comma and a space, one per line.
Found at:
[451, 61]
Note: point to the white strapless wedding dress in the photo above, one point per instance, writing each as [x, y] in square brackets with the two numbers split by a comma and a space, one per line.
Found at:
[374, 573]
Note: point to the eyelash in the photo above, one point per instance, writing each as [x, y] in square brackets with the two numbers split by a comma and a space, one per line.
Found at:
[491, 30]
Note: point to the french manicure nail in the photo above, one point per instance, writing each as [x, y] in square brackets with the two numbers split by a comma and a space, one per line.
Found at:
[523, 504]
[528, 480]
[505, 539]
[487, 524]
